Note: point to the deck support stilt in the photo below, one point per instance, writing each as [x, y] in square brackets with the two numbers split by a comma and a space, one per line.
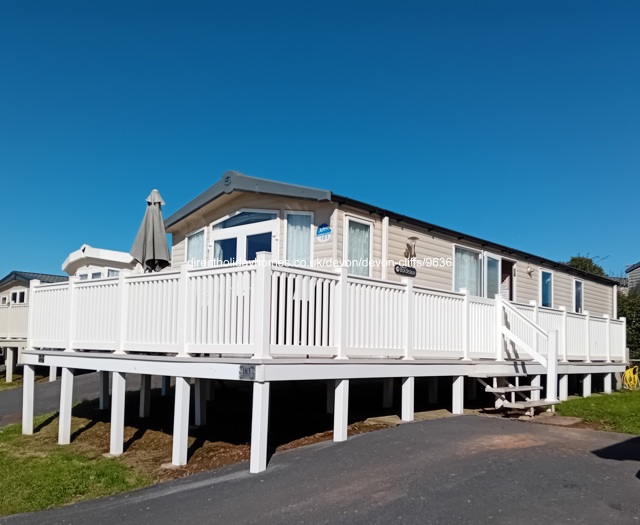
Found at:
[387, 392]
[408, 398]
[433, 391]
[458, 395]
[53, 373]
[145, 395]
[66, 399]
[105, 401]
[331, 395]
[536, 380]
[10, 364]
[166, 385]
[563, 391]
[608, 382]
[181, 421]
[27, 399]
[259, 428]
[201, 402]
[118, 391]
[341, 409]
[586, 385]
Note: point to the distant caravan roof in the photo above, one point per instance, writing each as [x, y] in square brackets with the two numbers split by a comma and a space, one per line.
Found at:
[632, 267]
[25, 277]
[90, 256]
[232, 181]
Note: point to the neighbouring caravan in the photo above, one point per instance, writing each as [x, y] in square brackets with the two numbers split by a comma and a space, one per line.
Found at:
[240, 216]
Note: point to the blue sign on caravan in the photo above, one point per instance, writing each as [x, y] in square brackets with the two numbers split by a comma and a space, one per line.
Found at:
[323, 234]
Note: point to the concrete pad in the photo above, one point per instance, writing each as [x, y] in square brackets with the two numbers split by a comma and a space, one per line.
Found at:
[560, 421]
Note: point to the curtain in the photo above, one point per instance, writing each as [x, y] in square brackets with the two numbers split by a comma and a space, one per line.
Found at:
[195, 248]
[359, 249]
[547, 289]
[299, 239]
[468, 271]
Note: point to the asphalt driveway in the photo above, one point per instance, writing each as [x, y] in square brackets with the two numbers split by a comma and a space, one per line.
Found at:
[461, 470]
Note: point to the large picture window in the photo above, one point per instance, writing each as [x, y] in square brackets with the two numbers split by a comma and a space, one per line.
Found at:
[358, 247]
[299, 238]
[468, 271]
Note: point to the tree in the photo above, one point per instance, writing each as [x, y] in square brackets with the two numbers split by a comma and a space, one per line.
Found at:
[629, 307]
[587, 264]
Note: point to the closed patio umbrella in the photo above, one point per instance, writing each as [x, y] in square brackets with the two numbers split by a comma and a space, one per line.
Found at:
[150, 247]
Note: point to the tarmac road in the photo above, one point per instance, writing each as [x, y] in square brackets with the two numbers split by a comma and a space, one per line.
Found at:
[459, 470]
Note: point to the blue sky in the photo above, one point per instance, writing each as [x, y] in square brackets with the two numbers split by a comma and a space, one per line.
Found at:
[514, 121]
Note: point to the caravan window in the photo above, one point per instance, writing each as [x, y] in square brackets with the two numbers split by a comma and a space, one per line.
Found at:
[468, 271]
[358, 244]
[195, 248]
[546, 288]
[578, 296]
[299, 237]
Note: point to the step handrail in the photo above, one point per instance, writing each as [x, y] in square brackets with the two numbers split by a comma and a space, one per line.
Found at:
[528, 321]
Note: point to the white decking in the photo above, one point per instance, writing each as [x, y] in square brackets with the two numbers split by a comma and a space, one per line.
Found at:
[264, 323]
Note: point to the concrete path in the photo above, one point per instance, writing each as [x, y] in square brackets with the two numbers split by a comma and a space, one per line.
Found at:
[460, 470]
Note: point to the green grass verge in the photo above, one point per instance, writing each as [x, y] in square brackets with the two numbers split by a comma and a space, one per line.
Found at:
[617, 412]
[35, 477]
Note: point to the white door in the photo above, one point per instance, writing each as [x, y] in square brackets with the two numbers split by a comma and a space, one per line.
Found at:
[492, 275]
[238, 244]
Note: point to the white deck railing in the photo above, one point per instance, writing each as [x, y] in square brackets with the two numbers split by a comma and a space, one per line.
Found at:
[272, 311]
[13, 321]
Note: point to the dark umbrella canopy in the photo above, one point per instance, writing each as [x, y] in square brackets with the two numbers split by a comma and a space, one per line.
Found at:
[150, 247]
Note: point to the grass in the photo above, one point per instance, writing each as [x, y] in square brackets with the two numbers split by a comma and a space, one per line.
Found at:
[37, 475]
[617, 412]
[17, 380]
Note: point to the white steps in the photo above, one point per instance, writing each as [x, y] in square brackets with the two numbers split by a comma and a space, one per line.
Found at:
[530, 404]
[506, 389]
[489, 375]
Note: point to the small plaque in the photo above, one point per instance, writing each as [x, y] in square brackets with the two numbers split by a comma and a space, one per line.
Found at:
[405, 270]
[247, 372]
[40, 359]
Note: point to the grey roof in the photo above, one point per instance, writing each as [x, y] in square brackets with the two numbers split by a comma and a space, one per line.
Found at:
[29, 276]
[632, 267]
[622, 281]
[233, 181]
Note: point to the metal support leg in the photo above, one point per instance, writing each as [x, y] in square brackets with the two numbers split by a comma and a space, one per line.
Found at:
[27, 399]
[387, 392]
[259, 428]
[458, 395]
[181, 421]
[66, 397]
[118, 391]
[145, 395]
[408, 398]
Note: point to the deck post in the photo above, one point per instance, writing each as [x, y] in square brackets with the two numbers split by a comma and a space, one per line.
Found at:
[458, 395]
[181, 422]
[341, 410]
[183, 304]
[341, 306]
[9, 365]
[105, 401]
[465, 325]
[53, 373]
[263, 307]
[536, 380]
[123, 317]
[499, 327]
[27, 399]
[552, 367]
[564, 387]
[71, 327]
[586, 385]
[118, 391]
[432, 396]
[145, 395]
[607, 382]
[66, 397]
[259, 427]
[201, 402]
[588, 336]
[166, 385]
[387, 392]
[562, 336]
[408, 398]
[408, 319]
[607, 342]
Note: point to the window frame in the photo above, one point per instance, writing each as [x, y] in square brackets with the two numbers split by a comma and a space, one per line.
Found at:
[345, 244]
[453, 268]
[550, 272]
[286, 233]
[204, 244]
[575, 282]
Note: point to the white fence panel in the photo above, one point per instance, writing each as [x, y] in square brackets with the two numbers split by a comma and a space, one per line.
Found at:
[617, 340]
[97, 309]
[576, 336]
[13, 321]
[50, 315]
[438, 320]
[598, 339]
[482, 327]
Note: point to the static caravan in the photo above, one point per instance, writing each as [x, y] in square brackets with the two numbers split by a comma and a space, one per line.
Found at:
[274, 282]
